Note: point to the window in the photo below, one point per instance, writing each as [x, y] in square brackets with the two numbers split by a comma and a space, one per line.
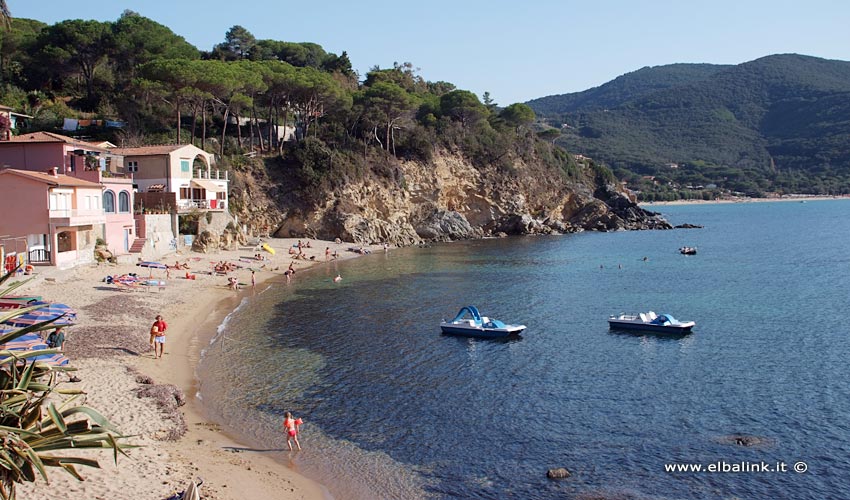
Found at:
[185, 194]
[60, 200]
[124, 202]
[132, 166]
[65, 241]
[109, 202]
[185, 166]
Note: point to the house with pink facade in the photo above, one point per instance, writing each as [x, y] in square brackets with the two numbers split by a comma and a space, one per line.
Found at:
[176, 178]
[86, 161]
[56, 215]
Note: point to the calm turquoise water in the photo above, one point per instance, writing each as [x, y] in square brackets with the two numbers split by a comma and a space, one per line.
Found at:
[394, 409]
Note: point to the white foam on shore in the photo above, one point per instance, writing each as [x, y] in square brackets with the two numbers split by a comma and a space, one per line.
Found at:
[223, 326]
[219, 332]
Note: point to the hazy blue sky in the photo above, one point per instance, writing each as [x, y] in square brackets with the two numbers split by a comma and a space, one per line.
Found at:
[516, 50]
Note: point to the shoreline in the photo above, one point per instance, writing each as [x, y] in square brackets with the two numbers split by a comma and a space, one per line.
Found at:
[787, 198]
[193, 309]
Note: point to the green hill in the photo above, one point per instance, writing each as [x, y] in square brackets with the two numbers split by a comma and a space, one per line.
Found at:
[625, 88]
[779, 123]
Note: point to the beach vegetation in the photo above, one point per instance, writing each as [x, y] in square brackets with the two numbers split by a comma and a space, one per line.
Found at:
[41, 422]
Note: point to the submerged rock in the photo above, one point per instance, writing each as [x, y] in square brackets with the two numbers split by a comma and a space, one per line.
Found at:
[559, 473]
[746, 440]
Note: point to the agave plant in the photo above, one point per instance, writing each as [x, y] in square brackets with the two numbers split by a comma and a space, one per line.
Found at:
[33, 427]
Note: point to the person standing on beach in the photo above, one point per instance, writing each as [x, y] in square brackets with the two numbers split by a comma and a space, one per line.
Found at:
[290, 427]
[253, 279]
[158, 342]
[161, 326]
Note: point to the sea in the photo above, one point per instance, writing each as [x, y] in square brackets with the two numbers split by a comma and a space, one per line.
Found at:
[393, 409]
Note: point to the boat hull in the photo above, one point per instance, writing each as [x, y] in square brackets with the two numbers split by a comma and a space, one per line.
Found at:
[648, 327]
[488, 333]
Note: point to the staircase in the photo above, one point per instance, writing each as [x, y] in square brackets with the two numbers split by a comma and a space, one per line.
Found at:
[138, 245]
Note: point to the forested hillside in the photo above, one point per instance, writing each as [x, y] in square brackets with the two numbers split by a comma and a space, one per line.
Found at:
[362, 158]
[777, 124]
[624, 88]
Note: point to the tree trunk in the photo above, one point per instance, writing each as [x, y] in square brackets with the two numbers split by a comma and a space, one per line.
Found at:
[269, 123]
[238, 131]
[204, 125]
[179, 123]
[224, 129]
[375, 131]
[392, 136]
[194, 121]
[251, 124]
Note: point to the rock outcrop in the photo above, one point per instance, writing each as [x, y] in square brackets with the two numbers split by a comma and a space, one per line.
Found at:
[448, 198]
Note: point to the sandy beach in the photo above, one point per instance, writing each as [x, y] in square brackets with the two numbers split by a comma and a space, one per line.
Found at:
[122, 378]
[787, 198]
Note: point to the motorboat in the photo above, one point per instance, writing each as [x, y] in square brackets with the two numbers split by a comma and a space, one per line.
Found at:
[470, 323]
[660, 323]
[688, 250]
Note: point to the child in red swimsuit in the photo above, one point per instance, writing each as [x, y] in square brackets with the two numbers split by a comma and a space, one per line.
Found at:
[291, 425]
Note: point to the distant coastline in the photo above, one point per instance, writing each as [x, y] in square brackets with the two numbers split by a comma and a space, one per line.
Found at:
[790, 197]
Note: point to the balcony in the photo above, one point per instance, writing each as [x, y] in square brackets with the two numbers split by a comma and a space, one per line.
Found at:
[201, 173]
[74, 217]
[212, 205]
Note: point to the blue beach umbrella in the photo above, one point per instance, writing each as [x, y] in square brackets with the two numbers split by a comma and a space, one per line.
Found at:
[66, 315]
[48, 359]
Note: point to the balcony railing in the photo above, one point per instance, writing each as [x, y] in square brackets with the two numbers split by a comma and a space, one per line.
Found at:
[201, 204]
[220, 175]
[66, 213]
[77, 217]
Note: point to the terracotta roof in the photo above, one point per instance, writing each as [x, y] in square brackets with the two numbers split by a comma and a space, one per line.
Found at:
[50, 137]
[163, 149]
[57, 180]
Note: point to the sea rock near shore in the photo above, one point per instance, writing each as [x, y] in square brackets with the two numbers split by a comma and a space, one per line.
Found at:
[746, 440]
[447, 225]
[688, 226]
[559, 473]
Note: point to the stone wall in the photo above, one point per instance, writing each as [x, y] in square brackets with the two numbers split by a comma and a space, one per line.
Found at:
[159, 232]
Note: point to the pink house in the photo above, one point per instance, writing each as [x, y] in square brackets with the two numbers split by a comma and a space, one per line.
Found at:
[55, 214]
[42, 151]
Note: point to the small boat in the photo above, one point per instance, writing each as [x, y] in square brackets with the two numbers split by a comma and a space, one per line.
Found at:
[661, 323]
[470, 323]
[688, 250]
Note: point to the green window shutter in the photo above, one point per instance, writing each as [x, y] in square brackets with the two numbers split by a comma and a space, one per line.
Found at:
[185, 166]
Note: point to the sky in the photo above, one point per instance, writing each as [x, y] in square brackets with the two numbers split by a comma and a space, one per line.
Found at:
[515, 50]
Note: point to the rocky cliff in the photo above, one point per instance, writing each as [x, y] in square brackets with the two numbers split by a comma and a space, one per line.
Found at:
[446, 198]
